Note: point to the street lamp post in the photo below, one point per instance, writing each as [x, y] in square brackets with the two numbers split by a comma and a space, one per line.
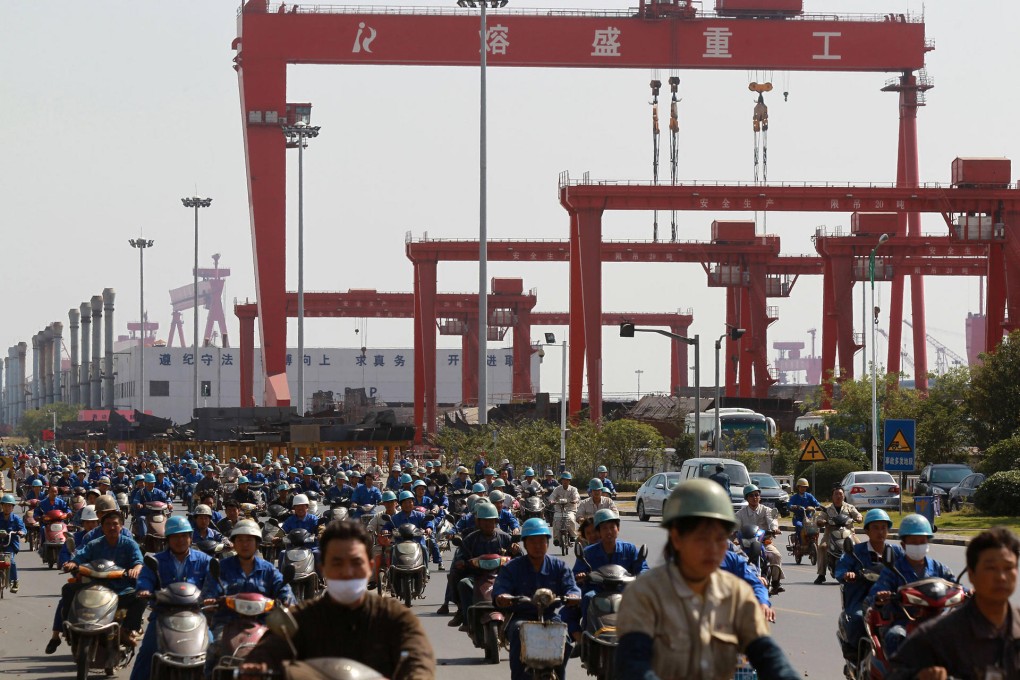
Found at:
[141, 244]
[195, 202]
[638, 373]
[874, 377]
[483, 254]
[297, 135]
[628, 329]
[550, 339]
[734, 334]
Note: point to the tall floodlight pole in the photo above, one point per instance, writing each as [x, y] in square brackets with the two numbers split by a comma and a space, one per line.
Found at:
[638, 373]
[297, 135]
[734, 334]
[141, 244]
[483, 254]
[195, 202]
[874, 377]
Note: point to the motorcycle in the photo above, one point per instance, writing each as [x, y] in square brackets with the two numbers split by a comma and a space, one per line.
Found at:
[6, 557]
[804, 543]
[339, 510]
[31, 525]
[752, 541]
[268, 547]
[93, 622]
[182, 633]
[543, 643]
[408, 570]
[561, 525]
[485, 624]
[840, 530]
[150, 530]
[56, 533]
[532, 505]
[599, 640]
[278, 512]
[240, 635]
[298, 554]
[853, 653]
[920, 601]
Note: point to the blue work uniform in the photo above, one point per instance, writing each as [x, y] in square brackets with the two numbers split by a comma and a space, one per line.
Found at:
[519, 577]
[365, 495]
[124, 553]
[393, 483]
[307, 485]
[624, 554]
[459, 484]
[855, 591]
[737, 564]
[210, 534]
[890, 580]
[336, 494]
[15, 526]
[480, 466]
[171, 570]
[803, 500]
[607, 484]
[310, 523]
[507, 521]
[98, 533]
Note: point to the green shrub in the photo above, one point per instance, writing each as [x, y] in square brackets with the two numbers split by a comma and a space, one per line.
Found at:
[999, 494]
[1002, 456]
[844, 450]
[827, 474]
[627, 487]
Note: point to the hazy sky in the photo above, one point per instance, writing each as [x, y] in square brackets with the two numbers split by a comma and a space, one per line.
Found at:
[112, 111]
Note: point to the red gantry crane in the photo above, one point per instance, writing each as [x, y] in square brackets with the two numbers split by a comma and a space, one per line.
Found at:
[671, 34]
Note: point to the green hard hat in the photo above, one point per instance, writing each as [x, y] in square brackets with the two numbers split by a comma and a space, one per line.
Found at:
[698, 498]
[605, 515]
[485, 510]
[388, 496]
[750, 489]
[595, 485]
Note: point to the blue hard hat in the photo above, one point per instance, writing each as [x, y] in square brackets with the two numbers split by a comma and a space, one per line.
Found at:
[605, 515]
[292, 470]
[566, 475]
[595, 485]
[139, 478]
[536, 526]
[404, 495]
[8, 499]
[488, 471]
[499, 483]
[478, 487]
[307, 471]
[877, 515]
[36, 482]
[528, 472]
[601, 468]
[388, 496]
[915, 525]
[405, 479]
[243, 480]
[177, 525]
[485, 510]
[150, 478]
[208, 468]
[283, 486]
[121, 468]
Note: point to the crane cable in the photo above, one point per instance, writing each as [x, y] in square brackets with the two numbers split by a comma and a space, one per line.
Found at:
[655, 84]
[760, 125]
[674, 144]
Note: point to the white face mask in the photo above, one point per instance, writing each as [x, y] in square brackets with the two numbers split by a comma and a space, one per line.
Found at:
[347, 591]
[916, 552]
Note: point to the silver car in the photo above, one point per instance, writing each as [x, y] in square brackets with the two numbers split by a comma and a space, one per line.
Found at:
[868, 489]
[653, 494]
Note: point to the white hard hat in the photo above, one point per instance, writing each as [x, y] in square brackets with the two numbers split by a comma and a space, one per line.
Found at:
[300, 499]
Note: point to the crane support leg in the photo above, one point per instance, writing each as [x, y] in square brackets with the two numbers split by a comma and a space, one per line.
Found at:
[522, 356]
[247, 361]
[743, 350]
[263, 85]
[759, 331]
[843, 308]
[731, 356]
[424, 348]
[828, 333]
[589, 256]
[577, 339]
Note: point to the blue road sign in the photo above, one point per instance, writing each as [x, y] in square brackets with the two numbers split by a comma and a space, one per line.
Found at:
[899, 445]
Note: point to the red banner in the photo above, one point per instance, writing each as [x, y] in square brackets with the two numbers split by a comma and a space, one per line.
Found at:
[48, 435]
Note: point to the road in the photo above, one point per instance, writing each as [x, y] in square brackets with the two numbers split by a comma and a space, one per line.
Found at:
[805, 626]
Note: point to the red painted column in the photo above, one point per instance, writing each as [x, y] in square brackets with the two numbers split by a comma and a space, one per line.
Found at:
[744, 348]
[424, 348]
[828, 333]
[522, 355]
[842, 287]
[893, 365]
[263, 86]
[589, 228]
[995, 297]
[469, 361]
[576, 340]
[730, 358]
[1011, 258]
[759, 317]
[914, 229]
[247, 359]
[679, 360]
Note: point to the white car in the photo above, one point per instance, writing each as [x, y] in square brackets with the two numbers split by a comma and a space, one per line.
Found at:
[653, 494]
[866, 489]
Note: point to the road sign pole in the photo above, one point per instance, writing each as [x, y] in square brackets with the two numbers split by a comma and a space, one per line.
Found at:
[813, 466]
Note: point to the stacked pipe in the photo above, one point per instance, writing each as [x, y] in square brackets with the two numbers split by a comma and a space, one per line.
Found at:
[74, 378]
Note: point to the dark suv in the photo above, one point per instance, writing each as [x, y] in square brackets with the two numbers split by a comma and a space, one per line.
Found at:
[939, 478]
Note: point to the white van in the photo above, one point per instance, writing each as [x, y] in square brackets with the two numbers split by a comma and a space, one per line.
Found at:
[705, 467]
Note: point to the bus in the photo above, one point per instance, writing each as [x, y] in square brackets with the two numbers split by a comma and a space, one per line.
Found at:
[812, 424]
[736, 425]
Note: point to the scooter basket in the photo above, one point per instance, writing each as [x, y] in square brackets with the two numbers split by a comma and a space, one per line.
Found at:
[542, 644]
[745, 671]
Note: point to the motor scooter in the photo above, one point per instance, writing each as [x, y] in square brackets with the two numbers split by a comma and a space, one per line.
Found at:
[6, 558]
[806, 542]
[55, 530]
[543, 643]
[485, 623]
[182, 633]
[853, 650]
[31, 525]
[532, 505]
[752, 541]
[599, 639]
[339, 510]
[408, 570]
[93, 622]
[840, 529]
[240, 635]
[298, 554]
[268, 546]
[150, 530]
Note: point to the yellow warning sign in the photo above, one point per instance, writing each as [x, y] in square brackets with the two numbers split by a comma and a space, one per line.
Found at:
[812, 452]
[5, 463]
[899, 444]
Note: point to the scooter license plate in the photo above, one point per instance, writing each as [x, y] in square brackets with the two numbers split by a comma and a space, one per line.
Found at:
[542, 644]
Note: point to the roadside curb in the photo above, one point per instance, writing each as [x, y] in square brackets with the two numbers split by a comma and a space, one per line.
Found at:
[937, 540]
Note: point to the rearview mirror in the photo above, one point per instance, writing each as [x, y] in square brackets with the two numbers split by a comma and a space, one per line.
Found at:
[642, 553]
[887, 555]
[282, 622]
[848, 545]
[660, 486]
[214, 569]
[288, 573]
[457, 540]
[578, 551]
